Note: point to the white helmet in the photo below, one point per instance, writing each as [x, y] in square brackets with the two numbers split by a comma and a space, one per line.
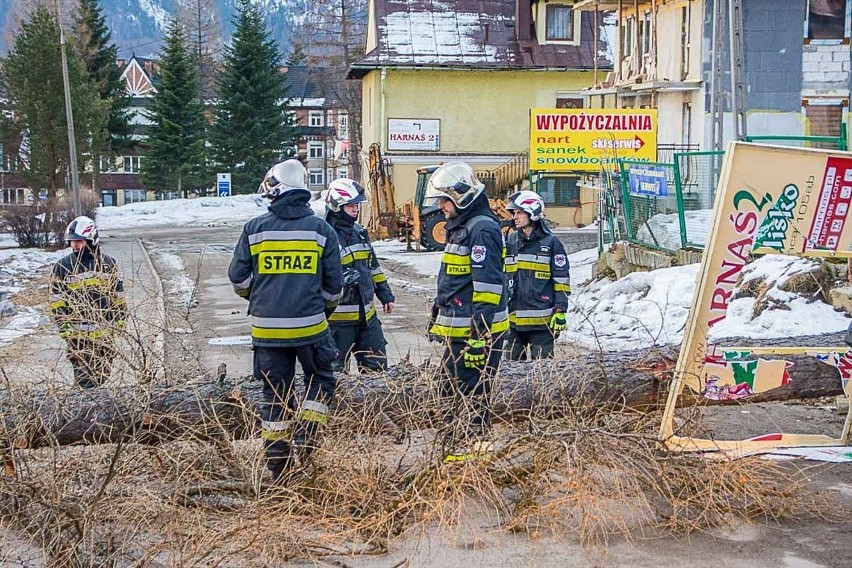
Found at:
[456, 182]
[283, 177]
[342, 191]
[82, 229]
[529, 202]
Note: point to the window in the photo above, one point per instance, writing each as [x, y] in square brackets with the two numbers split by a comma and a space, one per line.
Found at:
[559, 23]
[315, 150]
[168, 195]
[684, 41]
[627, 38]
[131, 164]
[646, 34]
[825, 118]
[316, 118]
[342, 172]
[826, 19]
[134, 195]
[342, 124]
[686, 124]
[315, 177]
[559, 191]
[108, 164]
[569, 102]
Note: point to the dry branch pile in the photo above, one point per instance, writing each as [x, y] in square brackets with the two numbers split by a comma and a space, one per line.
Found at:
[571, 460]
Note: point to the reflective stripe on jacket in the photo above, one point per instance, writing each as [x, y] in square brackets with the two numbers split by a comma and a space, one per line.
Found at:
[87, 294]
[538, 274]
[471, 299]
[357, 253]
[287, 264]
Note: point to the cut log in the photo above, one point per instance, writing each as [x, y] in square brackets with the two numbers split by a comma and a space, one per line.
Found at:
[225, 408]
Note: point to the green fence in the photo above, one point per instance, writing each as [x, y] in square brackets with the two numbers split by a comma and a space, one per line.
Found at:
[681, 217]
[827, 142]
[649, 219]
[696, 176]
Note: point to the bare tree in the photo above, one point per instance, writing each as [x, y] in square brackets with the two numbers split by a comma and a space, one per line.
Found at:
[203, 24]
[332, 38]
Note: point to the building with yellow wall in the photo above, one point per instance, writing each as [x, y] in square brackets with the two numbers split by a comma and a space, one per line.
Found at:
[460, 83]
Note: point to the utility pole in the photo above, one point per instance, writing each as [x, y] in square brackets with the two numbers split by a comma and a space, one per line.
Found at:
[69, 115]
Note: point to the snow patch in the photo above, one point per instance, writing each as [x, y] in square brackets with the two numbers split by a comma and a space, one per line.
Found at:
[178, 285]
[199, 212]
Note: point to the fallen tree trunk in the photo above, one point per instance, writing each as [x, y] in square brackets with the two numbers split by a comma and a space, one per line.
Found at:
[224, 408]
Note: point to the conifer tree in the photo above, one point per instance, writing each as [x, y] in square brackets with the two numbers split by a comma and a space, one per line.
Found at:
[174, 151]
[31, 77]
[252, 128]
[99, 54]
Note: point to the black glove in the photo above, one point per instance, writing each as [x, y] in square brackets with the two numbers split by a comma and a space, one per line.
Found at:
[433, 317]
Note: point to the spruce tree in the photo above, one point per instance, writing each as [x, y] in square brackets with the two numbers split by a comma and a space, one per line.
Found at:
[32, 81]
[252, 128]
[174, 151]
[100, 56]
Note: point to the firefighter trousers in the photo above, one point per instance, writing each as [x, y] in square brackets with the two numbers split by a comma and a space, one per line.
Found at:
[91, 360]
[539, 342]
[366, 341]
[281, 413]
[469, 415]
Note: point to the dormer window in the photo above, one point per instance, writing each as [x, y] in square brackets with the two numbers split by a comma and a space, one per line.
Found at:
[556, 22]
[559, 22]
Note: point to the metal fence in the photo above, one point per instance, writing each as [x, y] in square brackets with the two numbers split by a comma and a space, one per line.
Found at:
[696, 177]
[825, 142]
[650, 220]
[681, 217]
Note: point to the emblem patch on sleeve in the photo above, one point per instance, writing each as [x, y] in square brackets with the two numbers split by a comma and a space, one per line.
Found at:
[560, 260]
[477, 253]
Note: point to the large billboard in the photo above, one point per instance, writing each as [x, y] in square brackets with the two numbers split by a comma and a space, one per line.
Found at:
[771, 200]
[588, 139]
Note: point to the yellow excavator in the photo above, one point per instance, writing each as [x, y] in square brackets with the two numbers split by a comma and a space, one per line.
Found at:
[417, 222]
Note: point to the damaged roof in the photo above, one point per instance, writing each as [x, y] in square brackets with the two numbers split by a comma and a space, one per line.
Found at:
[469, 34]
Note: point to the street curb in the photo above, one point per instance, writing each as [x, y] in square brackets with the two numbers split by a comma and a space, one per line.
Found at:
[159, 339]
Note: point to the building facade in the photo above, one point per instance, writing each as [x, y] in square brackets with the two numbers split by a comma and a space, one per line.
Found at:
[796, 60]
[460, 84]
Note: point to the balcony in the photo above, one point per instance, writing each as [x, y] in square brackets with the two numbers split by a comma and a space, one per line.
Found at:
[607, 5]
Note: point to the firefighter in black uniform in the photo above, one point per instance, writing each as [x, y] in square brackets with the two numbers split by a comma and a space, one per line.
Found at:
[287, 265]
[538, 280]
[354, 323]
[470, 312]
[88, 303]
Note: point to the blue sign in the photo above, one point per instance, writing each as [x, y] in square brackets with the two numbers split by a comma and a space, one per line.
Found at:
[223, 185]
[648, 180]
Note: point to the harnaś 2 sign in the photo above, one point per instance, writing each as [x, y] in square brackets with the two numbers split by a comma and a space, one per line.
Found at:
[586, 139]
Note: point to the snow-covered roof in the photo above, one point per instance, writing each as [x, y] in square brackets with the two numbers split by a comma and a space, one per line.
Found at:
[467, 34]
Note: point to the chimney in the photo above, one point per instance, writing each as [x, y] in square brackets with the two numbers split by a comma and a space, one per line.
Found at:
[523, 20]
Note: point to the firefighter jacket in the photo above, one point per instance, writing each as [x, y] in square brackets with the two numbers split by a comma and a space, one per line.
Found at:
[287, 265]
[471, 298]
[87, 295]
[357, 256]
[539, 284]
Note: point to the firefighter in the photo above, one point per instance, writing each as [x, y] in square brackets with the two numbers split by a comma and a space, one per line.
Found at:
[469, 312]
[354, 323]
[88, 303]
[538, 280]
[287, 265]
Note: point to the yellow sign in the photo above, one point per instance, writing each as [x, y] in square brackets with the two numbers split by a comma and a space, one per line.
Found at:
[769, 199]
[287, 262]
[586, 139]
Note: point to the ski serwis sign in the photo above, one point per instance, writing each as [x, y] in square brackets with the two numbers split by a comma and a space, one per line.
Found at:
[586, 139]
[770, 199]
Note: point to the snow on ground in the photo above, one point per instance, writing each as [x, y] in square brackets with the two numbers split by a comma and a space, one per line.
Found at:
[425, 263]
[666, 229]
[203, 211]
[650, 308]
[17, 266]
[178, 285]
